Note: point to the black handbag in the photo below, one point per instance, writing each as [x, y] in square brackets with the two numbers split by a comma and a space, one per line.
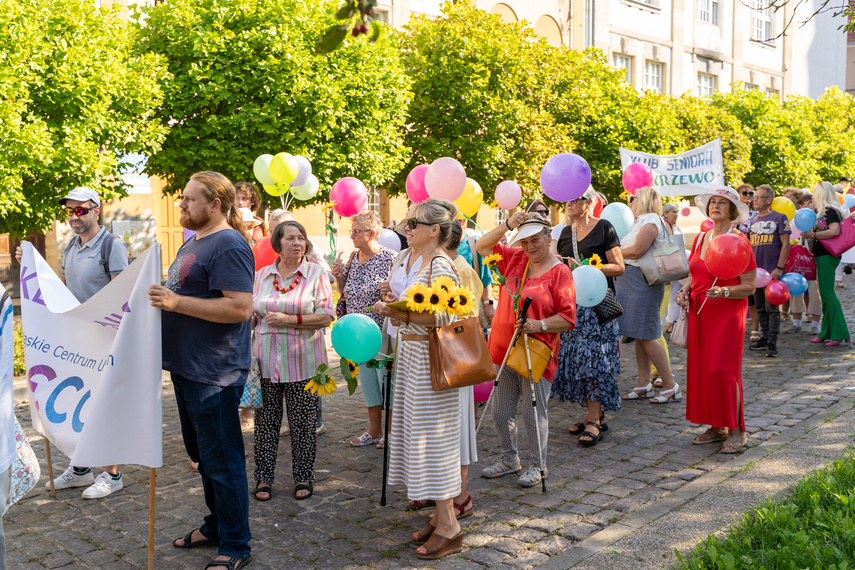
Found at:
[341, 306]
[609, 308]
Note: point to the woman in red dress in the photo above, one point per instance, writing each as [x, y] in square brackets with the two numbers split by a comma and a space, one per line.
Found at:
[716, 334]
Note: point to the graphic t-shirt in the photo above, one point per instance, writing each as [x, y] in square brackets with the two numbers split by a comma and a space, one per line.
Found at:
[765, 237]
[199, 350]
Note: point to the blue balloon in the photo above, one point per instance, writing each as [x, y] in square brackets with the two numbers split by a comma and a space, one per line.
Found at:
[795, 282]
[620, 216]
[849, 200]
[591, 286]
[356, 337]
[805, 219]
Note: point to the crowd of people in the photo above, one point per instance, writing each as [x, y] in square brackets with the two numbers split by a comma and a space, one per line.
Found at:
[275, 318]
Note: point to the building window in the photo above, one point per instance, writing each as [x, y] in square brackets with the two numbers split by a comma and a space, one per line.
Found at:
[773, 93]
[382, 15]
[761, 21]
[706, 84]
[373, 199]
[501, 215]
[653, 76]
[751, 87]
[623, 62]
[708, 11]
[651, 2]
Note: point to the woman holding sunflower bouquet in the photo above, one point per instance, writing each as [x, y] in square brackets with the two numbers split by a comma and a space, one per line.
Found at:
[588, 360]
[424, 443]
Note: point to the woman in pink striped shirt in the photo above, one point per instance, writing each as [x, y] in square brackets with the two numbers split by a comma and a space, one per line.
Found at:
[292, 304]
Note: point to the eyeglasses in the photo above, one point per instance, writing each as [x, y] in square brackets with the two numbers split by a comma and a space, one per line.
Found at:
[577, 200]
[357, 232]
[543, 213]
[413, 223]
[79, 210]
[747, 193]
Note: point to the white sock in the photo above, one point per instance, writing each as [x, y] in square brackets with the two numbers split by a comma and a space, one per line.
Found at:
[797, 322]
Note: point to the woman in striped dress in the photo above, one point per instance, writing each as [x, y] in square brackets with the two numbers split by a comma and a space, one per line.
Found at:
[292, 304]
[424, 452]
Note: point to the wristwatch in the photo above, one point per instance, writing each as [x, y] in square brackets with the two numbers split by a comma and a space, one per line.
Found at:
[726, 292]
[543, 326]
[487, 302]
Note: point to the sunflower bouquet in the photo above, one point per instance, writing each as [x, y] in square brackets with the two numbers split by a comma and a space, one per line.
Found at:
[442, 296]
[321, 384]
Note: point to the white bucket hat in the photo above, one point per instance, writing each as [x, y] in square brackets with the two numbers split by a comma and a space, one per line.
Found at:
[701, 200]
[529, 228]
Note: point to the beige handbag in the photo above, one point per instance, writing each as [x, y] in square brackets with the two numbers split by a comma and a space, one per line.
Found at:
[680, 330]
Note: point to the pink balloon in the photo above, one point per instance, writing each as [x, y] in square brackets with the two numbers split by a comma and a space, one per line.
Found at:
[508, 194]
[797, 233]
[482, 391]
[445, 179]
[349, 195]
[763, 277]
[637, 175]
[685, 212]
[706, 225]
[416, 190]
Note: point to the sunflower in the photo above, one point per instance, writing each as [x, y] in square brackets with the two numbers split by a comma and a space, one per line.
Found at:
[354, 369]
[444, 282]
[328, 206]
[461, 301]
[492, 260]
[437, 300]
[417, 298]
[595, 261]
[321, 387]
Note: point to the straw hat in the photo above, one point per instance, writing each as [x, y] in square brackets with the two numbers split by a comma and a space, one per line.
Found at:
[701, 200]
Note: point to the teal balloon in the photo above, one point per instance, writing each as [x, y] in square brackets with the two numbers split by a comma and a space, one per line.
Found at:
[849, 200]
[804, 220]
[795, 282]
[620, 216]
[356, 337]
[591, 285]
[307, 190]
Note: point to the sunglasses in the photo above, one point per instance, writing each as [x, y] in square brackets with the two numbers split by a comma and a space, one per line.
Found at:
[79, 210]
[748, 193]
[543, 213]
[577, 201]
[413, 223]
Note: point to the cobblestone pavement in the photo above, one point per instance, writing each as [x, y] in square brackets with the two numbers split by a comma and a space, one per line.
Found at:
[645, 455]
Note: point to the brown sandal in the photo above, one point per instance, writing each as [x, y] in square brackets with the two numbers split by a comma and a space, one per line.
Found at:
[734, 447]
[710, 436]
[423, 535]
[439, 546]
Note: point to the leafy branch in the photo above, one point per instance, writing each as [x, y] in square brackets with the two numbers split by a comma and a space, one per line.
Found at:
[356, 13]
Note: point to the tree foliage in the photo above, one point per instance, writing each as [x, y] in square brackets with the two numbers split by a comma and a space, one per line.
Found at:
[245, 80]
[74, 100]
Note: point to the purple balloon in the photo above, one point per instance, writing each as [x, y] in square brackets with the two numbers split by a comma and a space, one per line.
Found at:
[305, 170]
[565, 177]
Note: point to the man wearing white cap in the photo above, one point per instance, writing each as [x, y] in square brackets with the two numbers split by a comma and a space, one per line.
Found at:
[92, 259]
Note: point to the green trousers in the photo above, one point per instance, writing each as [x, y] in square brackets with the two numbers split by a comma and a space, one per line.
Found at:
[833, 322]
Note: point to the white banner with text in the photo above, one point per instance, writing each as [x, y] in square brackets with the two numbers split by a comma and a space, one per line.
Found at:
[685, 174]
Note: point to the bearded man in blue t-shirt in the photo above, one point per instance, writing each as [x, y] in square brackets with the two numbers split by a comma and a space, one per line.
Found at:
[207, 304]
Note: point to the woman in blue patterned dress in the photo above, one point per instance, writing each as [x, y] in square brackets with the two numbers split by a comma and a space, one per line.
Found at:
[588, 358]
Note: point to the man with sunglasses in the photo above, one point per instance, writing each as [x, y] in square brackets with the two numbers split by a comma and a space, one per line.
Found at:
[88, 264]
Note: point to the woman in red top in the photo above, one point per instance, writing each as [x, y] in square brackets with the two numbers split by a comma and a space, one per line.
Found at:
[717, 333]
[553, 309]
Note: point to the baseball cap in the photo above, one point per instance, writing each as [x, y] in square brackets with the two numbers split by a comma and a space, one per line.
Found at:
[81, 194]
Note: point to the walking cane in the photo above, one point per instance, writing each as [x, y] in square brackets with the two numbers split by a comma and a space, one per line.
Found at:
[387, 403]
[526, 305]
[534, 405]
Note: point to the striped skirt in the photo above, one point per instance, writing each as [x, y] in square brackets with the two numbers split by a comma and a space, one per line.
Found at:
[424, 446]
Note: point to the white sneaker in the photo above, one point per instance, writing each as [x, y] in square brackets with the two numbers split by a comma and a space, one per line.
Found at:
[103, 486]
[532, 477]
[69, 479]
[814, 329]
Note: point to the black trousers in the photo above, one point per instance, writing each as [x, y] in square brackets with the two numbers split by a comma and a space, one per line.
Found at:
[769, 316]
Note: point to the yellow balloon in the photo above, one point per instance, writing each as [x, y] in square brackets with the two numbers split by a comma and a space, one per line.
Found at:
[784, 205]
[284, 168]
[470, 201]
[277, 190]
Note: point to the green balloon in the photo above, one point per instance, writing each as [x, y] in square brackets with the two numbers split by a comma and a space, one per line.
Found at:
[307, 190]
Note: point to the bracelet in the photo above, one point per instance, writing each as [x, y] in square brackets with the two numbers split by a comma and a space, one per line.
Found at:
[405, 317]
[299, 319]
[507, 225]
[781, 268]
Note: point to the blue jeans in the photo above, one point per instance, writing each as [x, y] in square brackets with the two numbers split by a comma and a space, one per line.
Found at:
[210, 426]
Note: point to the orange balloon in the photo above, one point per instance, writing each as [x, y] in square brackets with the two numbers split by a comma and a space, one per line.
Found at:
[839, 197]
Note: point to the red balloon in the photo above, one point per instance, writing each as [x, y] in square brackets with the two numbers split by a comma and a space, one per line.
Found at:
[777, 292]
[728, 255]
[706, 225]
[264, 254]
[598, 207]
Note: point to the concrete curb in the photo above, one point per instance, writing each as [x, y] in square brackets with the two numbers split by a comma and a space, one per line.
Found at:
[644, 516]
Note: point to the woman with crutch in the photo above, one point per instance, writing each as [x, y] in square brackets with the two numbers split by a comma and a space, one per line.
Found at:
[530, 270]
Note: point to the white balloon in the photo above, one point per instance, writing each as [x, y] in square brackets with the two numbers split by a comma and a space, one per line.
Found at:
[389, 239]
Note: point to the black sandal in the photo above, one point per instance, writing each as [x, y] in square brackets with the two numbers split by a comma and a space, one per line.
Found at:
[190, 544]
[233, 563]
[263, 488]
[579, 428]
[595, 437]
[303, 487]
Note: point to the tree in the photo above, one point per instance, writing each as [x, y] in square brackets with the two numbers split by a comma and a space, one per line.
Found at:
[832, 120]
[245, 80]
[73, 101]
[481, 89]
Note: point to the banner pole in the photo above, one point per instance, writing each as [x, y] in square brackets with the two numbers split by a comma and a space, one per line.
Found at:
[50, 468]
[151, 477]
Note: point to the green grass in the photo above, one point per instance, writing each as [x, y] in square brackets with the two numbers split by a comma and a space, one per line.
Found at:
[812, 528]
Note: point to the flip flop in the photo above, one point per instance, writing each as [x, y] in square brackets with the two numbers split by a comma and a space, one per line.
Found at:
[190, 544]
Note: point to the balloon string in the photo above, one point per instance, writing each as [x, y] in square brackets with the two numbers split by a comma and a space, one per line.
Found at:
[331, 230]
[707, 298]
[471, 220]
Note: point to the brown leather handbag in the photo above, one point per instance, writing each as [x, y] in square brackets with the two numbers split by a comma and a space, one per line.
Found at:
[459, 355]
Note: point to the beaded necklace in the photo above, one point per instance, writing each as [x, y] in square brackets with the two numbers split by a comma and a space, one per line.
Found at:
[290, 287]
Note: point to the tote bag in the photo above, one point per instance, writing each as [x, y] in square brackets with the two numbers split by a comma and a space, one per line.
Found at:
[800, 260]
[844, 240]
[666, 263]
